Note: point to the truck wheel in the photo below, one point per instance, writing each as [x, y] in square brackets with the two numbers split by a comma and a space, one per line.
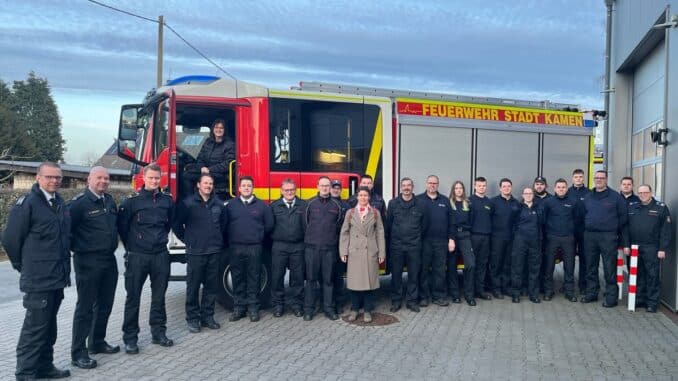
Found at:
[225, 296]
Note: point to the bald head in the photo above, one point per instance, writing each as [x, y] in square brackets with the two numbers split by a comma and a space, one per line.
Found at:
[98, 180]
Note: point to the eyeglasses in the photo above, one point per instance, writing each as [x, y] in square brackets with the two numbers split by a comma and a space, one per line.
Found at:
[600, 178]
[431, 183]
[52, 178]
[289, 190]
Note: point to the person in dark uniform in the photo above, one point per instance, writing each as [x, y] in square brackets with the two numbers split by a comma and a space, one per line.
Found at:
[539, 186]
[438, 241]
[322, 223]
[505, 209]
[605, 216]
[526, 247]
[288, 250]
[214, 158]
[405, 224]
[463, 217]
[577, 192]
[650, 229]
[559, 216]
[339, 290]
[36, 240]
[376, 201]
[94, 239]
[626, 190]
[144, 222]
[201, 222]
[249, 220]
[481, 230]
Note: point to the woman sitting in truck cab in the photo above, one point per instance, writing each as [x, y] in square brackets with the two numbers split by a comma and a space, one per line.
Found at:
[214, 158]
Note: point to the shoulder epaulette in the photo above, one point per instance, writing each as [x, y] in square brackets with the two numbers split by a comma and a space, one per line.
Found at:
[21, 200]
[133, 194]
[661, 203]
[78, 196]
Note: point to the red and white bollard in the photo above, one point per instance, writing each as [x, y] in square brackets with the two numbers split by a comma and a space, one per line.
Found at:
[620, 271]
[633, 277]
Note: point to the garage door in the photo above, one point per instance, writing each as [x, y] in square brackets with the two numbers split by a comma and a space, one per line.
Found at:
[441, 151]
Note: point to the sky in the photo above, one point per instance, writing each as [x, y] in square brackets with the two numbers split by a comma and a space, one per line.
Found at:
[96, 59]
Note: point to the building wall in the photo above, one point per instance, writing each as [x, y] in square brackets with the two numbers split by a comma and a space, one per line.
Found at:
[633, 43]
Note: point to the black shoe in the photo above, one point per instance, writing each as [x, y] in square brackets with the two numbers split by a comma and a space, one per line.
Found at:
[497, 295]
[339, 308]
[84, 363]
[25, 377]
[254, 316]
[571, 298]
[609, 305]
[104, 348]
[395, 307]
[193, 326]
[331, 315]
[163, 341]
[534, 299]
[440, 302]
[456, 300]
[485, 296]
[298, 313]
[131, 348]
[548, 297]
[278, 312]
[53, 372]
[651, 309]
[413, 307]
[210, 323]
[471, 302]
[308, 317]
[515, 299]
[237, 315]
[423, 303]
[588, 299]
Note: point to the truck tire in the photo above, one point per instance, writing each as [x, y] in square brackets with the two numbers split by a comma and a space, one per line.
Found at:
[225, 294]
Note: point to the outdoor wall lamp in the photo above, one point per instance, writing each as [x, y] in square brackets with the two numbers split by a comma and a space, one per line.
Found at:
[659, 136]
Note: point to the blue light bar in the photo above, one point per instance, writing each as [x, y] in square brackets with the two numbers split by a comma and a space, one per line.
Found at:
[188, 79]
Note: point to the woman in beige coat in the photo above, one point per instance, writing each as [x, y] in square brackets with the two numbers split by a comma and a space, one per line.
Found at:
[362, 247]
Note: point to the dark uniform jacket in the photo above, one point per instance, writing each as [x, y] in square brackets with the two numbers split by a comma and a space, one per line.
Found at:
[216, 157]
[538, 200]
[604, 211]
[441, 224]
[405, 223]
[200, 224]
[650, 225]
[504, 214]
[144, 221]
[631, 199]
[528, 222]
[94, 227]
[248, 223]
[37, 241]
[559, 215]
[463, 216]
[376, 201]
[322, 221]
[481, 215]
[288, 222]
[578, 195]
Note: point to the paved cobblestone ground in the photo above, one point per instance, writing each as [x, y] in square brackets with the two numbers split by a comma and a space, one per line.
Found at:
[496, 340]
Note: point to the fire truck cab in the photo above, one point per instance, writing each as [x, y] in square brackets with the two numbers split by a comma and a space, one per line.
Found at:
[277, 135]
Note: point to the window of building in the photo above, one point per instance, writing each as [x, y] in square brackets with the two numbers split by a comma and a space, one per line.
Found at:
[647, 158]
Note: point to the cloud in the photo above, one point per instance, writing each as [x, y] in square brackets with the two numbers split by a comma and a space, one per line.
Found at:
[496, 48]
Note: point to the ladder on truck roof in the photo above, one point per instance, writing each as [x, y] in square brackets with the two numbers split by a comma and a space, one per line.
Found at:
[392, 93]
